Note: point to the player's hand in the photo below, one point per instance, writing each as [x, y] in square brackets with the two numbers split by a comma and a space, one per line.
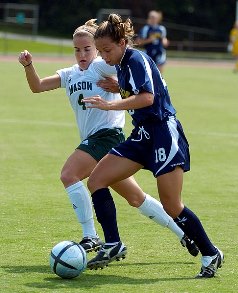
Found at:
[109, 84]
[165, 42]
[96, 102]
[25, 58]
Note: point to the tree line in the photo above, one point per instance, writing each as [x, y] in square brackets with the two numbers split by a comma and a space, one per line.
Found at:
[61, 17]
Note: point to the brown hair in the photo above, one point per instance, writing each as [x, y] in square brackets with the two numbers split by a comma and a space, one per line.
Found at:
[116, 29]
[88, 29]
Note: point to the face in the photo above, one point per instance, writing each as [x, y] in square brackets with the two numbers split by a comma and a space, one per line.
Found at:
[153, 18]
[85, 51]
[111, 52]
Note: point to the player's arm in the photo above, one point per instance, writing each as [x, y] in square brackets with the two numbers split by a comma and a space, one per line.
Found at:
[138, 101]
[141, 41]
[144, 37]
[165, 42]
[164, 38]
[36, 83]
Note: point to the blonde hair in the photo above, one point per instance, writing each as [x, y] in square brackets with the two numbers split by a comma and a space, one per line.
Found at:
[116, 29]
[88, 29]
[155, 14]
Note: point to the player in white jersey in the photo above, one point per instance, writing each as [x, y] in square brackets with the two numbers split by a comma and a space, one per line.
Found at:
[83, 83]
[99, 130]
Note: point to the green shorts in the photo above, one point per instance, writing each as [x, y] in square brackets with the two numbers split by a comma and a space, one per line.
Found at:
[101, 142]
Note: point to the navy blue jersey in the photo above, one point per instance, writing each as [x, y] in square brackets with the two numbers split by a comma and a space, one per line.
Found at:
[157, 32]
[138, 73]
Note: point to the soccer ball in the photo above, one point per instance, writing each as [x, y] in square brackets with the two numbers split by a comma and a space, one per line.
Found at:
[68, 259]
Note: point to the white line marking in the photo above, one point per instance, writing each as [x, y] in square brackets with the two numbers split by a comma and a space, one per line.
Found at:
[36, 122]
[218, 134]
[67, 124]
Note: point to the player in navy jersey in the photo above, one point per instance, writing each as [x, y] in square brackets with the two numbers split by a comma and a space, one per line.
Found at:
[157, 143]
[99, 132]
[153, 37]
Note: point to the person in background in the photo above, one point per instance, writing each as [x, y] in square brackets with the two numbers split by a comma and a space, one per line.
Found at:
[234, 44]
[157, 143]
[99, 132]
[153, 37]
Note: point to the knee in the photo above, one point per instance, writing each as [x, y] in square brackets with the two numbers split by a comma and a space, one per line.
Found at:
[66, 178]
[135, 203]
[95, 182]
[172, 209]
[91, 183]
[135, 200]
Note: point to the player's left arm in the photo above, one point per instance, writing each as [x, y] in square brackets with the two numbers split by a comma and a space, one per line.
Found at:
[141, 100]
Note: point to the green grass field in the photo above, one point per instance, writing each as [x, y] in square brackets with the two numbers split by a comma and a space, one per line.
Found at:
[11, 46]
[38, 133]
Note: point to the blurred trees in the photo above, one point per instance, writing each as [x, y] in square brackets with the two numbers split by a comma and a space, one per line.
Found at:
[61, 17]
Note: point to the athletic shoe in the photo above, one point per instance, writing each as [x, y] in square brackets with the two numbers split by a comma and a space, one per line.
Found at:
[210, 270]
[91, 243]
[190, 245]
[108, 253]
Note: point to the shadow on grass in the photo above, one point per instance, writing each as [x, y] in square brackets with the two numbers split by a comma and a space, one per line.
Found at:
[91, 279]
[88, 281]
[45, 268]
[26, 269]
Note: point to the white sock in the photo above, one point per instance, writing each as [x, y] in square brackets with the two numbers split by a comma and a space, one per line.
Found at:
[154, 210]
[82, 206]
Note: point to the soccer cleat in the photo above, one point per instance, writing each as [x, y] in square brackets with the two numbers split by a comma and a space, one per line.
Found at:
[210, 270]
[190, 245]
[91, 243]
[107, 254]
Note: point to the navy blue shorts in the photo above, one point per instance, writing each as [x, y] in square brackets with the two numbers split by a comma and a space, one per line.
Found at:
[158, 57]
[157, 146]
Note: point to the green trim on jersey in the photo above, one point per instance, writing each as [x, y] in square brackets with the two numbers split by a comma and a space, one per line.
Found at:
[101, 142]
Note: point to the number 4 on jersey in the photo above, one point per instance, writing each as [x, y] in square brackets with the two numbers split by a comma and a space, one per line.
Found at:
[81, 103]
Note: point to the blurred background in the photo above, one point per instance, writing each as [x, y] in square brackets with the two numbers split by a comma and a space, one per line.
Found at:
[196, 28]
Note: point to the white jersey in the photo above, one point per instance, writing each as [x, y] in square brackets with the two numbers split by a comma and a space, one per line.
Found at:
[81, 84]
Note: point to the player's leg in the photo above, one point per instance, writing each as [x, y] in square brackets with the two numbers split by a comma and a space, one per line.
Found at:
[108, 171]
[152, 209]
[236, 63]
[161, 60]
[172, 160]
[169, 188]
[77, 167]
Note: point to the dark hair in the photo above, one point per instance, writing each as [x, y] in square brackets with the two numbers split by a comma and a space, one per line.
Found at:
[116, 29]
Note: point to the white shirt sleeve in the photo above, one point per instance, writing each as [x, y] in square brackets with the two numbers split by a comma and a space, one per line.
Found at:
[64, 75]
[103, 69]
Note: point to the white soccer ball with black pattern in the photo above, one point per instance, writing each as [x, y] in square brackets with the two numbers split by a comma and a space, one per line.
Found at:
[68, 259]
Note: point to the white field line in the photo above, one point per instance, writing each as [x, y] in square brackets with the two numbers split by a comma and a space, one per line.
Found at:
[35, 122]
[71, 125]
[215, 134]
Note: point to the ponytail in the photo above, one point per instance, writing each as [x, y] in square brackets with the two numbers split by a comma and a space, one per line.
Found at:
[116, 29]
